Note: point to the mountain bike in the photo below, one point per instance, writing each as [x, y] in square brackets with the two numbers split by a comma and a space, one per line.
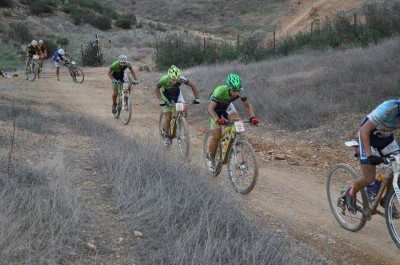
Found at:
[179, 128]
[124, 101]
[75, 72]
[33, 68]
[341, 176]
[237, 153]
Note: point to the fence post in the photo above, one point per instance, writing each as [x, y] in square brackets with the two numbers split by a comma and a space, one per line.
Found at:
[83, 59]
[238, 40]
[274, 41]
[354, 25]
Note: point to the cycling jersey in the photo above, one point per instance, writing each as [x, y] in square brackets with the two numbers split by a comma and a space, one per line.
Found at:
[30, 50]
[386, 117]
[170, 91]
[43, 50]
[117, 70]
[57, 56]
[223, 98]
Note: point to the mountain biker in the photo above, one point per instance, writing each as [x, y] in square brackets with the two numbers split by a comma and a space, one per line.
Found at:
[221, 109]
[167, 90]
[57, 57]
[374, 137]
[32, 49]
[43, 53]
[116, 74]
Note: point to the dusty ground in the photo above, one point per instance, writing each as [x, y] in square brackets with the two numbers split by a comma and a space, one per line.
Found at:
[290, 193]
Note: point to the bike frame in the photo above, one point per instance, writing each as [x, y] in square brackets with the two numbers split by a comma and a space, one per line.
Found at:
[228, 138]
[392, 175]
[176, 114]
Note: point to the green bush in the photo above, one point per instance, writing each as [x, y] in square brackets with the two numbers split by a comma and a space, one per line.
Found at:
[126, 21]
[42, 6]
[90, 56]
[101, 22]
[7, 3]
[51, 47]
[63, 41]
[20, 32]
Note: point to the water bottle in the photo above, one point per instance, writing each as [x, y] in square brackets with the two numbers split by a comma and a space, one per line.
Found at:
[376, 185]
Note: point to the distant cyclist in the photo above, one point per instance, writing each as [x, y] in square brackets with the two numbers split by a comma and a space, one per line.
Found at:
[221, 110]
[43, 52]
[168, 90]
[116, 74]
[32, 49]
[57, 57]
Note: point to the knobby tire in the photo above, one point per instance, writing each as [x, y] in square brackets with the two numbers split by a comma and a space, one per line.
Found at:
[340, 177]
[242, 167]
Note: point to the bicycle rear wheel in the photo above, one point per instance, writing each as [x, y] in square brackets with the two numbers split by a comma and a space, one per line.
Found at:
[77, 74]
[118, 107]
[182, 137]
[217, 163]
[242, 167]
[392, 216]
[126, 110]
[32, 72]
[340, 178]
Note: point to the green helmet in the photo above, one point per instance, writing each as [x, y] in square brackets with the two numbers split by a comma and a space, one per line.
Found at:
[233, 82]
[174, 72]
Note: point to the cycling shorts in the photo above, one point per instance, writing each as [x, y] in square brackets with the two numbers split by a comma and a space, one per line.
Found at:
[222, 113]
[178, 99]
[381, 143]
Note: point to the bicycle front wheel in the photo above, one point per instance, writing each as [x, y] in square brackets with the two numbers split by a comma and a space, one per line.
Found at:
[215, 168]
[77, 75]
[182, 137]
[242, 167]
[392, 216]
[126, 110]
[32, 72]
[340, 178]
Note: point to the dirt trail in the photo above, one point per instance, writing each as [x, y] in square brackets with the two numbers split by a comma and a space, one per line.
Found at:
[286, 196]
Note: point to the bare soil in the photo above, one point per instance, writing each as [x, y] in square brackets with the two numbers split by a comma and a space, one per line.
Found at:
[289, 195]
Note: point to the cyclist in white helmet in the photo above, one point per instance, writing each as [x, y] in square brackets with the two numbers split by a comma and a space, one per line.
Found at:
[116, 72]
[31, 49]
[57, 57]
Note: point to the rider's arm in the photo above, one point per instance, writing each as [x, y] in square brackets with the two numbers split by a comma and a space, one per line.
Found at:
[158, 93]
[249, 108]
[365, 131]
[110, 74]
[133, 73]
[211, 108]
[194, 90]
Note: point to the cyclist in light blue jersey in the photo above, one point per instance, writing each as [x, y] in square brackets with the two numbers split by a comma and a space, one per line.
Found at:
[376, 140]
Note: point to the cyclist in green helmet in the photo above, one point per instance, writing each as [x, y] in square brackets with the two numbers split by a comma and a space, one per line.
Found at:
[221, 110]
[168, 91]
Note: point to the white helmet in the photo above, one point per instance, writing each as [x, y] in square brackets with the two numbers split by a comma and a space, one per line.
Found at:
[34, 43]
[122, 58]
[61, 52]
[40, 41]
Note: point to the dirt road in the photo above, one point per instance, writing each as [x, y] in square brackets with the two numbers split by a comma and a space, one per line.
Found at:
[287, 196]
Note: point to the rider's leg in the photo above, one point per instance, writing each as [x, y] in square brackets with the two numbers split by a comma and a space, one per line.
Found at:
[114, 96]
[367, 177]
[216, 134]
[167, 121]
[28, 60]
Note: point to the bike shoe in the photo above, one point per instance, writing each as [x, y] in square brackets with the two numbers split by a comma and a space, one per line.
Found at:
[350, 201]
[167, 141]
[114, 109]
[210, 163]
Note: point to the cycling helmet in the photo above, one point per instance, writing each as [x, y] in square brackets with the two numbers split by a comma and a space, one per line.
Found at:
[233, 82]
[34, 43]
[40, 41]
[174, 72]
[61, 52]
[122, 58]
